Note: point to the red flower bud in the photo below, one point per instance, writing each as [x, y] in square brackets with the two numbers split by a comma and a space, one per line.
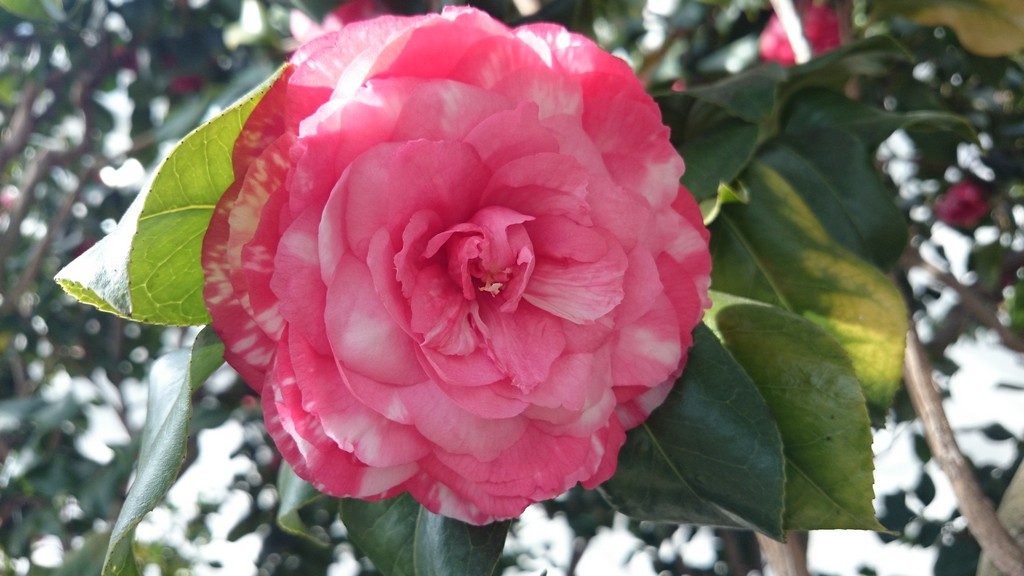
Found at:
[963, 205]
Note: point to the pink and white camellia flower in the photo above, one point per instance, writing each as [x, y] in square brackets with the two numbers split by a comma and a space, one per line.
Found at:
[456, 262]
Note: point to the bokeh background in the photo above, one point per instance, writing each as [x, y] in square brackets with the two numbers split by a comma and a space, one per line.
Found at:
[90, 102]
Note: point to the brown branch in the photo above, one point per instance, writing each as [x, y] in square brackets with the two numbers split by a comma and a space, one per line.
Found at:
[42, 248]
[993, 537]
[973, 302]
[654, 59]
[844, 11]
[579, 546]
[17, 133]
[39, 166]
[785, 559]
[740, 558]
[35, 171]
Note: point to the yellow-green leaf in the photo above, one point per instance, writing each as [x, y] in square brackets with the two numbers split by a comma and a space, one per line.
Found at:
[985, 27]
[775, 250]
[809, 385]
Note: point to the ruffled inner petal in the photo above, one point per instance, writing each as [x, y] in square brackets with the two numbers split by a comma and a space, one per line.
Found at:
[523, 344]
[445, 177]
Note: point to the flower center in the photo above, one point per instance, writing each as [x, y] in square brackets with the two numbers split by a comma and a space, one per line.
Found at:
[491, 253]
[490, 280]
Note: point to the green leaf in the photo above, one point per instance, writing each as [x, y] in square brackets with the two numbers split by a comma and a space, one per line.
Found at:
[711, 454]
[727, 194]
[775, 250]
[207, 355]
[810, 386]
[815, 108]
[445, 546]
[164, 436]
[149, 268]
[715, 144]
[295, 494]
[874, 56]
[833, 173]
[384, 531]
[404, 539]
[749, 95]
[41, 10]
[985, 27]
[87, 560]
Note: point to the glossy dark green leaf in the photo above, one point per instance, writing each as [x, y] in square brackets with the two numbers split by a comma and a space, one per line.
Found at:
[149, 268]
[833, 174]
[715, 144]
[207, 355]
[164, 436]
[711, 454]
[384, 531]
[749, 95]
[295, 493]
[444, 546]
[404, 539]
[815, 108]
[874, 56]
[775, 250]
[810, 386]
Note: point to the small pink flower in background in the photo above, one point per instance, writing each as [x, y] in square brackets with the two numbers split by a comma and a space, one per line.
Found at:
[456, 262]
[186, 84]
[9, 198]
[963, 205]
[304, 29]
[821, 28]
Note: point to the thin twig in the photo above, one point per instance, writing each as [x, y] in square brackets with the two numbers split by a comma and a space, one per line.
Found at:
[981, 518]
[785, 559]
[793, 28]
[579, 545]
[973, 302]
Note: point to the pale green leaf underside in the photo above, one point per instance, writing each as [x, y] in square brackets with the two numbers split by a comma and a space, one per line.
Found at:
[295, 493]
[172, 379]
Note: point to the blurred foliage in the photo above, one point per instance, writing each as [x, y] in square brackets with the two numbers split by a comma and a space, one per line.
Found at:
[93, 92]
